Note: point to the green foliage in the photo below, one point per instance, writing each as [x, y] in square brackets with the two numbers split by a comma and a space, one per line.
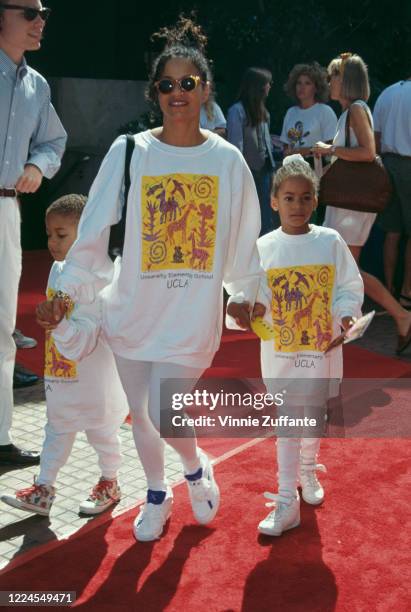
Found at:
[145, 121]
[278, 34]
[114, 41]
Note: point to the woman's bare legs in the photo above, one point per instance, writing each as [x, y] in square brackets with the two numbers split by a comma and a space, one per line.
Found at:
[380, 294]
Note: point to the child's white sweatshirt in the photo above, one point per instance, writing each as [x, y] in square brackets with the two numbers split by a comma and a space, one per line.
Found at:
[83, 389]
[193, 219]
[311, 283]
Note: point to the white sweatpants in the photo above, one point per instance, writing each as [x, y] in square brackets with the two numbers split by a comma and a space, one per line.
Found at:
[10, 261]
[293, 451]
[141, 383]
[57, 448]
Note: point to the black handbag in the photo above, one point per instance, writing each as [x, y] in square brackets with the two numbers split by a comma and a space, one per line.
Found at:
[360, 186]
[118, 231]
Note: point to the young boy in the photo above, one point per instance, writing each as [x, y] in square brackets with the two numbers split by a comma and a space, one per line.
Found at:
[83, 391]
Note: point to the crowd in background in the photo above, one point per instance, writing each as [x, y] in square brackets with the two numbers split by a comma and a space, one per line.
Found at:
[310, 128]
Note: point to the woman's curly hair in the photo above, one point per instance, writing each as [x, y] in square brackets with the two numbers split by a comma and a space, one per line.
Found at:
[186, 40]
[316, 73]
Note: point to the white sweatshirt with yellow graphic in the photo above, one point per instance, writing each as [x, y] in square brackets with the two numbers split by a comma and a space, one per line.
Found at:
[311, 283]
[83, 389]
[193, 219]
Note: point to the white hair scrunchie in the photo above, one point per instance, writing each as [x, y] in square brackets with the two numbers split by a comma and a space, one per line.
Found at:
[296, 158]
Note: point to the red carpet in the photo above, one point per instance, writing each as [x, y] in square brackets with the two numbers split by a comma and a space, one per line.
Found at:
[349, 554]
[36, 268]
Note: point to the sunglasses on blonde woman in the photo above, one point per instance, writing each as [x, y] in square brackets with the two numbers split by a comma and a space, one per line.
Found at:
[186, 83]
[29, 13]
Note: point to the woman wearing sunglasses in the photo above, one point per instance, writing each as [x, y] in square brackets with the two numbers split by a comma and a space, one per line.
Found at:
[349, 85]
[192, 224]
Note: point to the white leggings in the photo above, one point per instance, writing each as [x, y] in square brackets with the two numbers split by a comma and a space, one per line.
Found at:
[293, 452]
[57, 448]
[141, 383]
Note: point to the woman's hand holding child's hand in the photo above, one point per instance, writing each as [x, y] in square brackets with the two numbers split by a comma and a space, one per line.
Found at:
[50, 313]
[241, 313]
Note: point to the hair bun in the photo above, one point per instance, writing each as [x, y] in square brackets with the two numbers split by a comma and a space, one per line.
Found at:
[185, 33]
[296, 158]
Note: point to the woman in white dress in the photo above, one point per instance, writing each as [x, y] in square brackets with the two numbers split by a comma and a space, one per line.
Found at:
[349, 85]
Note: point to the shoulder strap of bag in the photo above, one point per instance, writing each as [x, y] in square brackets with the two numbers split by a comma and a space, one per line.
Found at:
[118, 231]
[347, 127]
[127, 179]
[347, 130]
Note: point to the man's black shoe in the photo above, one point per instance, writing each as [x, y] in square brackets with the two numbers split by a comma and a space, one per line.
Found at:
[11, 455]
[23, 378]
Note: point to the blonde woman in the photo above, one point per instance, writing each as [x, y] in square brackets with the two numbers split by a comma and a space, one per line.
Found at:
[212, 117]
[349, 85]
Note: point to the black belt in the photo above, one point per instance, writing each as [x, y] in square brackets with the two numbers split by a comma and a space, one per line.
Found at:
[8, 193]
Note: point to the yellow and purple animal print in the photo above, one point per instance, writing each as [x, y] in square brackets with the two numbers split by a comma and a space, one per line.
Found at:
[57, 366]
[301, 307]
[179, 217]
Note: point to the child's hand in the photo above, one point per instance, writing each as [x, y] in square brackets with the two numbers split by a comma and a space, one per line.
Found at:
[241, 314]
[50, 313]
[258, 311]
[347, 322]
[45, 317]
[59, 309]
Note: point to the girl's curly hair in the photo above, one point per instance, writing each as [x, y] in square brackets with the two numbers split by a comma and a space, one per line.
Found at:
[186, 40]
[316, 73]
[294, 166]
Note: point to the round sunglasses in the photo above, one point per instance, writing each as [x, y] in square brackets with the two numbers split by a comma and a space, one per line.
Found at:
[29, 13]
[186, 83]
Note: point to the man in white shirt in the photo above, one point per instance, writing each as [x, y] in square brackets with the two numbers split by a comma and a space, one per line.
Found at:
[392, 124]
[32, 142]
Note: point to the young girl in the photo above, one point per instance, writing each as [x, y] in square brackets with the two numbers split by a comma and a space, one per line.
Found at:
[83, 390]
[192, 224]
[312, 288]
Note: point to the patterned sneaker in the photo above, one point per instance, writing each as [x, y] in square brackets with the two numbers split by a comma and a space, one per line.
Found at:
[285, 516]
[22, 341]
[311, 489]
[102, 496]
[150, 521]
[204, 492]
[38, 498]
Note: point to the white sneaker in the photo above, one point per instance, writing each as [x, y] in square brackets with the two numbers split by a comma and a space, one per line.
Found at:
[106, 493]
[311, 489]
[38, 498]
[150, 521]
[285, 516]
[204, 492]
